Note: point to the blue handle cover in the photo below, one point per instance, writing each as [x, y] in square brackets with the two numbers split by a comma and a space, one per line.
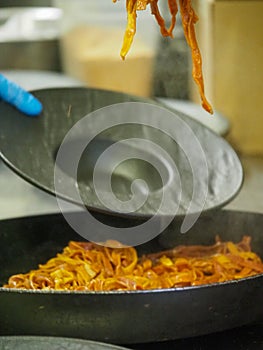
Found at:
[18, 97]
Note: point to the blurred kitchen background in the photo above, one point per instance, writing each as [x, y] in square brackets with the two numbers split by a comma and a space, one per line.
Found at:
[60, 43]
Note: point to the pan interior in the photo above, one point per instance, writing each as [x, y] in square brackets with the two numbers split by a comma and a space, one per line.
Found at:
[124, 174]
[27, 242]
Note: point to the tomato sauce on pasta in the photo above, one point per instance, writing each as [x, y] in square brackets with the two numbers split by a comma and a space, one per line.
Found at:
[85, 266]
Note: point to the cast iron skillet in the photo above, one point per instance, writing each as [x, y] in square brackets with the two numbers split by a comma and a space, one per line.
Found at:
[126, 317]
[30, 145]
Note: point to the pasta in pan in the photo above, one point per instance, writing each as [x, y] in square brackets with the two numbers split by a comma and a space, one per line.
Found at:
[85, 266]
[189, 19]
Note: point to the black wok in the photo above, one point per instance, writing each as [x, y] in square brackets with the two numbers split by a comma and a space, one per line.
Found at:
[40, 139]
[126, 317]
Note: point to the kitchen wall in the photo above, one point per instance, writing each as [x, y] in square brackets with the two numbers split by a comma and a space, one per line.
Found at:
[230, 34]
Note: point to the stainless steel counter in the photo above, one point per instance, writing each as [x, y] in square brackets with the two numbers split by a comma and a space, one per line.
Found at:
[18, 198]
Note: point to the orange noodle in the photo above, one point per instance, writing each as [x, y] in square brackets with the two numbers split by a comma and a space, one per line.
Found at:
[85, 266]
[189, 19]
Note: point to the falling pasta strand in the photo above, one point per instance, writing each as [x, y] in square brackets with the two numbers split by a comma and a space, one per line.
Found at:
[84, 266]
[189, 19]
[131, 26]
[173, 10]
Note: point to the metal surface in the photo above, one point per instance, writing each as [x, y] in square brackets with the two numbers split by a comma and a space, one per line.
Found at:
[29, 38]
[217, 123]
[126, 317]
[52, 343]
[29, 146]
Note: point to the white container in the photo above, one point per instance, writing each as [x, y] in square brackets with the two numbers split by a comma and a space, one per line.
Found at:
[92, 36]
[29, 38]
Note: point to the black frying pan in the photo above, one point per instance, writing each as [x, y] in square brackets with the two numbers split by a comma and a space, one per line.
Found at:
[126, 317]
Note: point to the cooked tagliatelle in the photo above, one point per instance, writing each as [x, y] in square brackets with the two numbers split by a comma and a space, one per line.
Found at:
[85, 266]
[189, 19]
